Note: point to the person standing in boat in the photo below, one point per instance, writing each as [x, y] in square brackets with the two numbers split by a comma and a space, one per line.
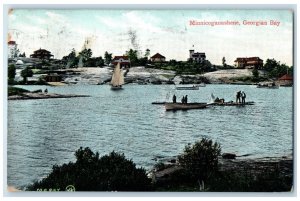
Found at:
[185, 99]
[238, 97]
[243, 94]
[174, 98]
[182, 100]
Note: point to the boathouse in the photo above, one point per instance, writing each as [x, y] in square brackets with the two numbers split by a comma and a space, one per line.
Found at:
[286, 80]
[158, 58]
[123, 60]
[42, 54]
[248, 62]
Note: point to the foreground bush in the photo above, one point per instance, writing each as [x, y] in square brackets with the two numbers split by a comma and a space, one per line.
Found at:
[201, 159]
[111, 172]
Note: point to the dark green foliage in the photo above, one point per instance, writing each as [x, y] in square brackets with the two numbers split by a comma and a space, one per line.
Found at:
[107, 57]
[249, 181]
[90, 172]
[94, 62]
[133, 56]
[275, 69]
[16, 91]
[255, 75]
[11, 72]
[85, 54]
[26, 73]
[201, 159]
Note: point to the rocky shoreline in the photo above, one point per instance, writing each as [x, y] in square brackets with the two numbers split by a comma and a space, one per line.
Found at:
[40, 95]
[269, 169]
[143, 75]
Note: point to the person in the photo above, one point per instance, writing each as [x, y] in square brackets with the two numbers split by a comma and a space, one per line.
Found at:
[186, 99]
[243, 97]
[182, 100]
[238, 97]
[46, 91]
[174, 99]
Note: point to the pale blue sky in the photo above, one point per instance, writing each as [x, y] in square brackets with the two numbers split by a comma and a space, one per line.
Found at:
[165, 31]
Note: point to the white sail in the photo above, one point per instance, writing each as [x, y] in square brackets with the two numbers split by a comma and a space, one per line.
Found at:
[117, 77]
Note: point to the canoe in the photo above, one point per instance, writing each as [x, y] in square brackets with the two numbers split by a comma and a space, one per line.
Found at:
[188, 87]
[232, 104]
[188, 106]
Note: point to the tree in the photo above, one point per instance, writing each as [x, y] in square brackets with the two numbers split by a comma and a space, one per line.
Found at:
[26, 73]
[85, 54]
[90, 172]
[271, 64]
[255, 75]
[133, 56]
[201, 159]
[107, 57]
[224, 62]
[11, 72]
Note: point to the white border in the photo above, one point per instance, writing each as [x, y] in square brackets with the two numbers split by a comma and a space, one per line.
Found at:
[187, 4]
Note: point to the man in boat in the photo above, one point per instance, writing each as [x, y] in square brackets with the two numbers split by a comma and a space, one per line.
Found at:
[243, 94]
[185, 99]
[46, 91]
[174, 99]
[182, 100]
[238, 97]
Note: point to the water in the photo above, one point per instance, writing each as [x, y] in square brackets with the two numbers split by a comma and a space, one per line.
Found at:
[42, 133]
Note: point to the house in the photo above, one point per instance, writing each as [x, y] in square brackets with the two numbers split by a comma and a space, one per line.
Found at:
[41, 54]
[286, 80]
[198, 57]
[248, 62]
[13, 51]
[124, 61]
[158, 58]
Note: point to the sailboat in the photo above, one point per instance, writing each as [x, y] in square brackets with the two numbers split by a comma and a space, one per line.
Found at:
[117, 79]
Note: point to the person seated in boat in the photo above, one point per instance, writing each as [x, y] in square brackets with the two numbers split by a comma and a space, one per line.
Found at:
[218, 100]
[174, 98]
[46, 91]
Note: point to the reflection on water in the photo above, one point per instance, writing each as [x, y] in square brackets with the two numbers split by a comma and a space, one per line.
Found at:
[42, 133]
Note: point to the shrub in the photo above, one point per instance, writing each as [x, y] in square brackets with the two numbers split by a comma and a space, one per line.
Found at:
[90, 172]
[201, 159]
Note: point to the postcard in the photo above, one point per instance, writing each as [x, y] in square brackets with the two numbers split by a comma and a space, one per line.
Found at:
[150, 100]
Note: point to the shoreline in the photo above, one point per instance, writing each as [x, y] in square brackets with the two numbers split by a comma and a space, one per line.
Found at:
[40, 95]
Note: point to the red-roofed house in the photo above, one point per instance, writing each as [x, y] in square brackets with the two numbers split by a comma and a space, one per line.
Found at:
[286, 80]
[249, 62]
[124, 61]
[158, 58]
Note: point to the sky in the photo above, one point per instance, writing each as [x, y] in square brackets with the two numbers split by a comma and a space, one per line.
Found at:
[168, 32]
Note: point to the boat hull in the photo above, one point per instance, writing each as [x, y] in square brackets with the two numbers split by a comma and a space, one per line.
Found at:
[181, 106]
[233, 104]
[116, 88]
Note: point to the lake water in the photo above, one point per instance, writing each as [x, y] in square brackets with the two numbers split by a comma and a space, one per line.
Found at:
[42, 133]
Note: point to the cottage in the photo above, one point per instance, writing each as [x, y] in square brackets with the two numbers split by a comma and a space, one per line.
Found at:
[250, 62]
[158, 58]
[123, 60]
[41, 54]
[198, 57]
[286, 80]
